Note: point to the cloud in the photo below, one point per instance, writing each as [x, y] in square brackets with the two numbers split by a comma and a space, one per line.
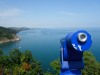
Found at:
[69, 13]
[9, 12]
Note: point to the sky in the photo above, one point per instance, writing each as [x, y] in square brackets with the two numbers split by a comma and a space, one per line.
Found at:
[50, 13]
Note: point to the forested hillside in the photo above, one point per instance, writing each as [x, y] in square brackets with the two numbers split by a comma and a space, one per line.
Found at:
[7, 33]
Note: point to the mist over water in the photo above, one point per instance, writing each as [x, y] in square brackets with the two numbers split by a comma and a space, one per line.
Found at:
[44, 43]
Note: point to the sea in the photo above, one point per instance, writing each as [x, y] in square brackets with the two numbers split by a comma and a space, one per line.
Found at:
[44, 43]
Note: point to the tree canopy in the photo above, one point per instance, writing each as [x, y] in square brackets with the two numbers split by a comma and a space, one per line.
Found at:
[19, 63]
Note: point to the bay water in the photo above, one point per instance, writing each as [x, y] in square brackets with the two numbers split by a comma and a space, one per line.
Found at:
[44, 43]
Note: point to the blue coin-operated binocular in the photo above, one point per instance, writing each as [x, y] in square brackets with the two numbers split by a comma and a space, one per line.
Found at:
[71, 54]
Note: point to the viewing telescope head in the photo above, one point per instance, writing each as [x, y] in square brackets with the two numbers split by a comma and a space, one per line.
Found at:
[80, 40]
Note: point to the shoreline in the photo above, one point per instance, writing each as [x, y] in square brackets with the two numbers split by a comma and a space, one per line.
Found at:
[5, 40]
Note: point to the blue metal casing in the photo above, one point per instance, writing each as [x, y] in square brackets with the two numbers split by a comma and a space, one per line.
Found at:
[71, 53]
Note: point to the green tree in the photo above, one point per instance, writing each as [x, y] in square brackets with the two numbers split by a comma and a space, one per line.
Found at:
[48, 73]
[26, 56]
[16, 70]
[15, 56]
[5, 61]
[56, 66]
[92, 67]
[7, 71]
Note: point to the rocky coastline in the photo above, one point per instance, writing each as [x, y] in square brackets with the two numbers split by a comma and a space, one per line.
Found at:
[5, 40]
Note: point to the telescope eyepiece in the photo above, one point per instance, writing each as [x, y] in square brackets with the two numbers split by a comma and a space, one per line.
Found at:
[82, 37]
